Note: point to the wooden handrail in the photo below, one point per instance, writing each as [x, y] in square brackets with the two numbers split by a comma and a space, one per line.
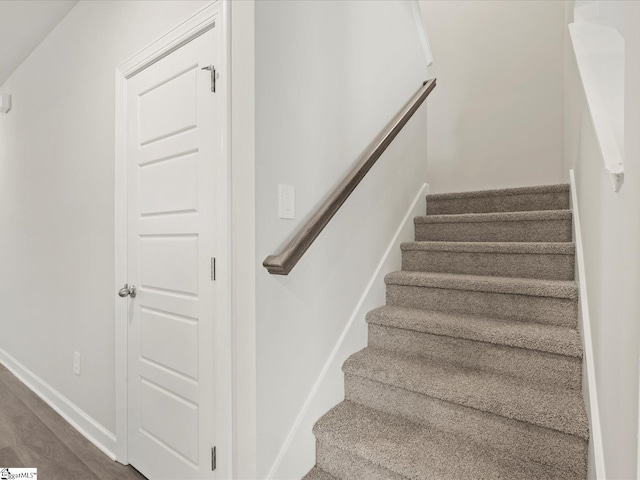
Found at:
[283, 262]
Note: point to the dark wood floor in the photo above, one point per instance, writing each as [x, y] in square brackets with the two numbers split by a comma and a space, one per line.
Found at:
[33, 435]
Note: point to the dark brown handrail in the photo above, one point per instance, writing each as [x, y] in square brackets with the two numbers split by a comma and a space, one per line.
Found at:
[283, 262]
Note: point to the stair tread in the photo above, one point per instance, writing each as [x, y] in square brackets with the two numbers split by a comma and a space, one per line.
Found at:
[533, 215]
[557, 188]
[480, 283]
[491, 392]
[418, 452]
[531, 336]
[541, 248]
[555, 408]
[318, 474]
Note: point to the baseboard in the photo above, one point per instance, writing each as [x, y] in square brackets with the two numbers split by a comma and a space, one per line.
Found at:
[76, 417]
[596, 462]
[297, 454]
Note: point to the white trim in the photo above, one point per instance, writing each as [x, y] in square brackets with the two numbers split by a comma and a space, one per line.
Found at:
[416, 11]
[196, 25]
[223, 363]
[585, 322]
[586, 54]
[368, 299]
[102, 438]
[243, 245]
[120, 255]
[191, 28]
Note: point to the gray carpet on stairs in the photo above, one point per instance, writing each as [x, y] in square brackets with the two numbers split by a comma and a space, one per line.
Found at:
[474, 366]
[552, 261]
[548, 197]
[534, 226]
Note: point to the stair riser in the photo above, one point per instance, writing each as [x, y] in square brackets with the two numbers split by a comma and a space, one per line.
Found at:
[549, 267]
[545, 310]
[347, 466]
[521, 440]
[317, 474]
[499, 203]
[534, 366]
[510, 231]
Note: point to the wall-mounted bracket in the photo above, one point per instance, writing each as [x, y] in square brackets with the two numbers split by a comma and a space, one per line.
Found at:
[5, 103]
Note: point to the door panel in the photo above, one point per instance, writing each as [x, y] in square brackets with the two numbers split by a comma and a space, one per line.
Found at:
[170, 186]
[177, 95]
[174, 149]
[170, 262]
[161, 333]
[179, 432]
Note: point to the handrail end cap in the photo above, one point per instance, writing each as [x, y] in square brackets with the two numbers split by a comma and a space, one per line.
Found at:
[274, 266]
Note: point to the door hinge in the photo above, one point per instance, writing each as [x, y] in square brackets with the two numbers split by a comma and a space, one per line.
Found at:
[214, 460]
[214, 76]
[213, 269]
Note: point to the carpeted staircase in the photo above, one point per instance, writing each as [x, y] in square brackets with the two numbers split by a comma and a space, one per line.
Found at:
[474, 366]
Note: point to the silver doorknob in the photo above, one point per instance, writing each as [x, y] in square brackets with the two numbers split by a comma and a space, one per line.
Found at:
[128, 291]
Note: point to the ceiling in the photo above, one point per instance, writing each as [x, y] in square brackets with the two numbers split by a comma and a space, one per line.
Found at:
[23, 25]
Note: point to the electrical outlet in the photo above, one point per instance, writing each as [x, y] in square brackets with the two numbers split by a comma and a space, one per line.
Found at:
[76, 363]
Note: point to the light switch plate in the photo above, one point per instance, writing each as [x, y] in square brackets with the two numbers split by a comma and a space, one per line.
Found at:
[286, 201]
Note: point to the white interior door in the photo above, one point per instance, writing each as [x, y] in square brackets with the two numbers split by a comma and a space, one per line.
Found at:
[174, 155]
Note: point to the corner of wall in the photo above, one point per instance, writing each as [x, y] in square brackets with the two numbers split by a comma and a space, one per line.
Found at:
[243, 234]
[597, 469]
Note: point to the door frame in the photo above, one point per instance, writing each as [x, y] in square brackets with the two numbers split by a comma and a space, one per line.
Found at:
[215, 14]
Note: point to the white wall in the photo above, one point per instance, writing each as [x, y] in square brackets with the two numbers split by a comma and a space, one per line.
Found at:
[496, 119]
[612, 12]
[243, 237]
[57, 196]
[611, 236]
[602, 12]
[329, 76]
